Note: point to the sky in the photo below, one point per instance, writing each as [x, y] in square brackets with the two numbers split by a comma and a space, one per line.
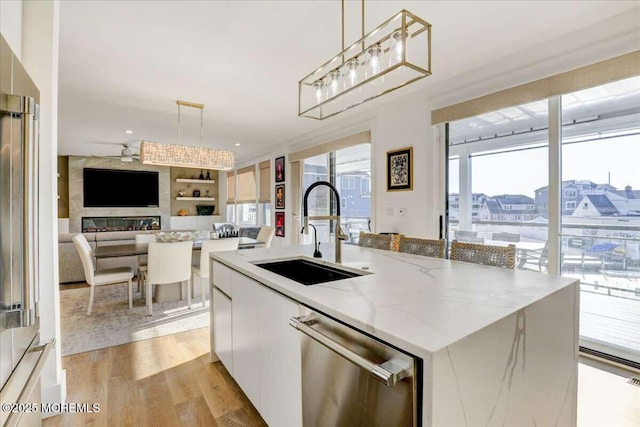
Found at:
[521, 172]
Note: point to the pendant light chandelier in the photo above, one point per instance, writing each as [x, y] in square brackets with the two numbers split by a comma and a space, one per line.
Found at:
[392, 55]
[153, 153]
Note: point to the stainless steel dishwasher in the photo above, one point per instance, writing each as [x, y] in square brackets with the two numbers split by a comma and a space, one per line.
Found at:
[350, 379]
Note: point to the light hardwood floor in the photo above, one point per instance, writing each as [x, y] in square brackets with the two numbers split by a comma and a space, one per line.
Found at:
[168, 381]
[165, 381]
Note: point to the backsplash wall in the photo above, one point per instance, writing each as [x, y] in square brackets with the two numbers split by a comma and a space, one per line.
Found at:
[76, 203]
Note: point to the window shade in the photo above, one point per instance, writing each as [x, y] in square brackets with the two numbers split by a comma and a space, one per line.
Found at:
[581, 78]
[231, 187]
[247, 185]
[265, 181]
[335, 145]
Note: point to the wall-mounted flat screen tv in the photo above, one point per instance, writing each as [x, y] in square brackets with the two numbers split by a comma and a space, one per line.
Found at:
[114, 188]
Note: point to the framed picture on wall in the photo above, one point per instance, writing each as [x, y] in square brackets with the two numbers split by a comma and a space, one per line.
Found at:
[280, 196]
[280, 169]
[400, 169]
[280, 224]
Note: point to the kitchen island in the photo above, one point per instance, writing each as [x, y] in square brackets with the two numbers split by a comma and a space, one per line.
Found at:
[498, 347]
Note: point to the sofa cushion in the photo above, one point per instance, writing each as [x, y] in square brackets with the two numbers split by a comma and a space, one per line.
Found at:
[68, 237]
[119, 235]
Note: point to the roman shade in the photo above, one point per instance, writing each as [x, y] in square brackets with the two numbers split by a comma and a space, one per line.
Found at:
[335, 145]
[613, 69]
[265, 181]
[231, 187]
[246, 185]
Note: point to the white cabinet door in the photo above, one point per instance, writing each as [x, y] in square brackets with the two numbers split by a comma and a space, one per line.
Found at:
[246, 336]
[280, 364]
[221, 325]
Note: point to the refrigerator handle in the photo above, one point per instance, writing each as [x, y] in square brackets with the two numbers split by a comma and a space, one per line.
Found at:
[26, 108]
[32, 381]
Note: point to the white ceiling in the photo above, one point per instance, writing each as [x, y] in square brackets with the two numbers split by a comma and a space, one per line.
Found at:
[123, 64]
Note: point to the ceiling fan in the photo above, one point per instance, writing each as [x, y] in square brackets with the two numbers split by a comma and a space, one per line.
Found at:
[127, 154]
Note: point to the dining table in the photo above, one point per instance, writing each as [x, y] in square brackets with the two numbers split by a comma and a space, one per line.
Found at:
[135, 249]
[170, 292]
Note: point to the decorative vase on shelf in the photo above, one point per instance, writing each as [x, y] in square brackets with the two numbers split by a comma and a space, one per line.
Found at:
[206, 193]
[201, 174]
[208, 176]
[196, 193]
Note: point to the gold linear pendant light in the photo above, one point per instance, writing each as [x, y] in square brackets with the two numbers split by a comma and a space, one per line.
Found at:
[392, 55]
[153, 153]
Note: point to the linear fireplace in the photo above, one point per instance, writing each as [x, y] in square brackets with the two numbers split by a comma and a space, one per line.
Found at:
[94, 224]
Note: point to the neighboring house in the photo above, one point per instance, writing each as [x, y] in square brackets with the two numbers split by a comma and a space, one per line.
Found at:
[607, 204]
[628, 193]
[509, 207]
[477, 202]
[355, 194]
[573, 191]
[354, 188]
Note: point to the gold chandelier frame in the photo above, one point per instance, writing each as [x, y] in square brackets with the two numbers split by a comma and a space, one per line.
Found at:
[408, 26]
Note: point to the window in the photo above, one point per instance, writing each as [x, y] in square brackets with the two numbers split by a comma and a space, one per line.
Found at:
[486, 153]
[569, 205]
[343, 168]
[348, 182]
[247, 213]
[601, 242]
[264, 198]
[365, 187]
[570, 193]
[246, 196]
[266, 213]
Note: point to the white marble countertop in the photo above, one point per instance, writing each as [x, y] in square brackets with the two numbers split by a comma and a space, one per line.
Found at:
[417, 303]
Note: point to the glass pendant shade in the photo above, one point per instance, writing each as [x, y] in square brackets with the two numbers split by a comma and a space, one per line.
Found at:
[396, 53]
[153, 153]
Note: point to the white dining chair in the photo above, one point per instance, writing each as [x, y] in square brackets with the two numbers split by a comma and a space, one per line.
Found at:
[106, 276]
[265, 235]
[208, 246]
[142, 259]
[168, 263]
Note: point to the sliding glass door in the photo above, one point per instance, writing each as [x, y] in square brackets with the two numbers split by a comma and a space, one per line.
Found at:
[601, 213]
[498, 191]
[497, 172]
[349, 170]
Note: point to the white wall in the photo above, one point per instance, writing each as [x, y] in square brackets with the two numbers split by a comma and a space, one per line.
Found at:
[40, 59]
[11, 25]
[406, 122]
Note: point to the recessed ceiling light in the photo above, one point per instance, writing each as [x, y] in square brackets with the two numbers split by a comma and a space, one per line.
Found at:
[128, 131]
[237, 144]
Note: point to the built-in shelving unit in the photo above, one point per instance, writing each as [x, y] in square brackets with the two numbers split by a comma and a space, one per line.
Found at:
[196, 181]
[184, 181]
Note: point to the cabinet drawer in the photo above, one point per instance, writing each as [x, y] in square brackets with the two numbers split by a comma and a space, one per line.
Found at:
[222, 278]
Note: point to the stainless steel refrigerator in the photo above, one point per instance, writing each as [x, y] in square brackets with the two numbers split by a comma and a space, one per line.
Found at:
[21, 354]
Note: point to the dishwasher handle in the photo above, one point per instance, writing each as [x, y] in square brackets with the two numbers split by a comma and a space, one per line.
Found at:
[380, 372]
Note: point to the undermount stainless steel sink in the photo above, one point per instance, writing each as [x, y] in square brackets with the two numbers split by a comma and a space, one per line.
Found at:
[307, 272]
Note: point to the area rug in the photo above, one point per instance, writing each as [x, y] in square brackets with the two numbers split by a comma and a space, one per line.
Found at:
[112, 323]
